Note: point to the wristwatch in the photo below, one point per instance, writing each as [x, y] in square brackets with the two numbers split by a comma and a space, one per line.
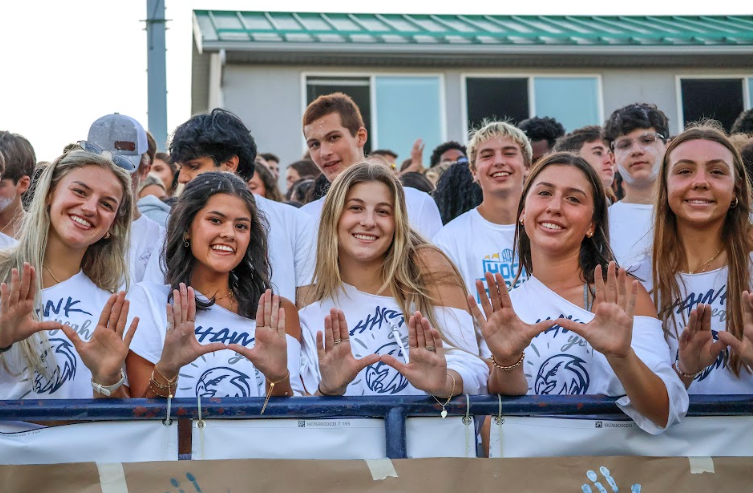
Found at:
[107, 390]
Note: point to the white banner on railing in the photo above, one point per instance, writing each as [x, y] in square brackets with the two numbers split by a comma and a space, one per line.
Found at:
[112, 441]
[438, 437]
[717, 436]
[341, 439]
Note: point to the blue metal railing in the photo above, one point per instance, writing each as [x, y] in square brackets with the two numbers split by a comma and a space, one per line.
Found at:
[393, 409]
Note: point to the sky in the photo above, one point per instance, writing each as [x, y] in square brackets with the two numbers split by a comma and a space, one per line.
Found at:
[63, 64]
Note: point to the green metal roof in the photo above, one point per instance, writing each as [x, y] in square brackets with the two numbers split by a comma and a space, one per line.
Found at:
[253, 30]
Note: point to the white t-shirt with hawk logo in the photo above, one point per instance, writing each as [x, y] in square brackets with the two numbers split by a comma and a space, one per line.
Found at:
[222, 373]
[477, 246]
[560, 362]
[377, 326]
[76, 302]
[708, 288]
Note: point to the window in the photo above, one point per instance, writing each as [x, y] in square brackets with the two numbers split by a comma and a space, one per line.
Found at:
[573, 101]
[396, 110]
[720, 99]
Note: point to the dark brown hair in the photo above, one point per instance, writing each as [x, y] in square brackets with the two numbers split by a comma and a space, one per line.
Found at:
[342, 104]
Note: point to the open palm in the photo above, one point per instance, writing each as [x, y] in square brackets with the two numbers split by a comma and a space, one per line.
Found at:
[743, 346]
[697, 346]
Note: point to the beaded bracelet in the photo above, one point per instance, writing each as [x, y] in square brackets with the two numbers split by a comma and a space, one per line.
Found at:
[511, 367]
[690, 376]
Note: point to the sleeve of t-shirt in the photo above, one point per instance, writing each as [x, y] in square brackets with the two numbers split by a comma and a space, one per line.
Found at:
[294, 365]
[650, 346]
[461, 349]
[309, 358]
[429, 221]
[150, 333]
[154, 272]
[305, 249]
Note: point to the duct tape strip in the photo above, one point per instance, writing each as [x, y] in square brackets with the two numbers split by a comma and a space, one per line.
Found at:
[699, 465]
[380, 469]
[112, 478]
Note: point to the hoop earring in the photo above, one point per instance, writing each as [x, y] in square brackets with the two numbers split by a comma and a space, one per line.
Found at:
[107, 235]
[186, 243]
[733, 204]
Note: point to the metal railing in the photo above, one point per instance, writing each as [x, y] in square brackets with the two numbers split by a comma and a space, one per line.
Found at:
[393, 409]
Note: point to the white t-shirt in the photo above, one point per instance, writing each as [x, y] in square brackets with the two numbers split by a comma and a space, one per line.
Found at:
[145, 242]
[708, 288]
[222, 373]
[423, 212]
[371, 322]
[477, 246]
[561, 362]
[631, 232]
[76, 302]
[7, 241]
[291, 249]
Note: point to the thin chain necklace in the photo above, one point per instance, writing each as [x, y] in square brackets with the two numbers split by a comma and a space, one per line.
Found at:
[50, 272]
[230, 294]
[706, 265]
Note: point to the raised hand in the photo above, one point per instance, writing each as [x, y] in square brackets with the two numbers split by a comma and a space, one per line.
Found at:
[611, 330]
[416, 158]
[427, 366]
[105, 353]
[742, 347]
[269, 354]
[337, 365]
[506, 335]
[181, 346]
[697, 347]
[16, 307]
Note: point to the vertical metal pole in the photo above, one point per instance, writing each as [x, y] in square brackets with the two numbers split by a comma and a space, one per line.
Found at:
[394, 424]
[156, 71]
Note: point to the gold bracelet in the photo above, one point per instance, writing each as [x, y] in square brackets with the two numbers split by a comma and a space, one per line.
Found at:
[271, 388]
[153, 385]
[511, 367]
[170, 383]
[444, 411]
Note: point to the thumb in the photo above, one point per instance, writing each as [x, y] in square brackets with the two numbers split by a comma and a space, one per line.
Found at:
[390, 361]
[572, 326]
[731, 341]
[72, 335]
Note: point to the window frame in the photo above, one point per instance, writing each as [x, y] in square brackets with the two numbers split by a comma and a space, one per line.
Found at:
[747, 88]
[530, 76]
[372, 75]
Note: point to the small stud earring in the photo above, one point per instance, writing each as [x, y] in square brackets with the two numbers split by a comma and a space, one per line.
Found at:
[107, 235]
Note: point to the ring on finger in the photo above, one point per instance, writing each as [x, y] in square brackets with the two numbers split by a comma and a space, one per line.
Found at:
[338, 341]
[433, 349]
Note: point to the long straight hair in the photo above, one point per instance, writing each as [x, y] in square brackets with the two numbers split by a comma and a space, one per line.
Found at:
[668, 260]
[105, 261]
[250, 278]
[401, 272]
[594, 250]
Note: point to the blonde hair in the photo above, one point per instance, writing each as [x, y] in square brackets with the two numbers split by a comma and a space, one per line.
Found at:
[105, 261]
[401, 271]
[495, 129]
[668, 260]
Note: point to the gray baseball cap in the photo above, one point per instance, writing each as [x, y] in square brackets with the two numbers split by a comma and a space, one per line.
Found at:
[121, 135]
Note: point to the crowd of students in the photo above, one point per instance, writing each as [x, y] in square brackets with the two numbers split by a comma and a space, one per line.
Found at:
[530, 270]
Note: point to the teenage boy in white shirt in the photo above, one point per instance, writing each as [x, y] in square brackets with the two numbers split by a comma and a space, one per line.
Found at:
[335, 135]
[482, 239]
[19, 159]
[637, 135]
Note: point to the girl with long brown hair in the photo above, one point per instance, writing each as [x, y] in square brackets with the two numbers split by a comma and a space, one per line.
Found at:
[700, 270]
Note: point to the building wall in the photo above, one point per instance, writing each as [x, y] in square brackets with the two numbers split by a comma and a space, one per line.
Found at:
[270, 98]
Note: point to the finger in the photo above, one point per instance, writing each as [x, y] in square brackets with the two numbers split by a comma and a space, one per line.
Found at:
[14, 282]
[692, 324]
[107, 310]
[176, 308]
[493, 291]
[438, 342]
[716, 348]
[33, 284]
[320, 344]
[420, 338]
[622, 288]
[190, 305]
[391, 361]
[123, 318]
[599, 285]
[170, 318]
[344, 335]
[632, 299]
[48, 325]
[329, 338]
[540, 327]
[210, 348]
[426, 328]
[268, 309]
[611, 283]
[483, 299]
[112, 320]
[475, 312]
[274, 308]
[4, 298]
[131, 332]
[504, 295]
[72, 335]
[281, 322]
[747, 302]
[706, 321]
[684, 338]
[23, 291]
[730, 340]
[572, 326]
[183, 303]
[412, 339]
[260, 310]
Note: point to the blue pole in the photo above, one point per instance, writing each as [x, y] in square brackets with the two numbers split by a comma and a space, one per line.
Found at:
[394, 426]
[156, 71]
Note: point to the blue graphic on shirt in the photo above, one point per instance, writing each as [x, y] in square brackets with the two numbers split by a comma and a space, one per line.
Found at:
[501, 263]
[562, 374]
[383, 379]
[64, 371]
[375, 320]
[692, 300]
[56, 307]
[223, 382]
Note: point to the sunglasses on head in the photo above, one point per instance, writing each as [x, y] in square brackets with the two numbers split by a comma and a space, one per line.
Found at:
[120, 161]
